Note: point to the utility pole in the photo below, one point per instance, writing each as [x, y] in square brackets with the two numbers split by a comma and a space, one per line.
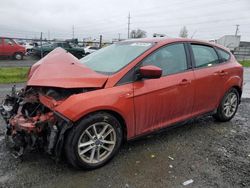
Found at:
[41, 43]
[119, 36]
[128, 24]
[73, 31]
[48, 35]
[237, 29]
[100, 42]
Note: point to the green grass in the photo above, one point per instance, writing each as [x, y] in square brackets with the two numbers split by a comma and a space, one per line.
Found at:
[245, 63]
[13, 74]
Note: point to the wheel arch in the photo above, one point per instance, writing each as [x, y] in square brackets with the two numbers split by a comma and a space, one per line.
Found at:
[238, 89]
[233, 82]
[116, 114]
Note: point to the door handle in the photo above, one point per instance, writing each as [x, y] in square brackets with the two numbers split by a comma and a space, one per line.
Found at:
[185, 82]
[221, 73]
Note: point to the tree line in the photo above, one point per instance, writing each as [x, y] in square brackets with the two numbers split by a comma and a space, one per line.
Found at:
[139, 33]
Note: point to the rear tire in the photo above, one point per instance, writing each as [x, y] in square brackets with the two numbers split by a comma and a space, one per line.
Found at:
[94, 141]
[228, 106]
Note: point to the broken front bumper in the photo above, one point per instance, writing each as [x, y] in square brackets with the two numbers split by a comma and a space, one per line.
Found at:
[32, 123]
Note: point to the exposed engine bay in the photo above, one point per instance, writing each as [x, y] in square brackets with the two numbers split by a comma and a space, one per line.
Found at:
[32, 125]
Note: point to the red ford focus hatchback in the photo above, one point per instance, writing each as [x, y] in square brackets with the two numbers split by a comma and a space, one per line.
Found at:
[85, 108]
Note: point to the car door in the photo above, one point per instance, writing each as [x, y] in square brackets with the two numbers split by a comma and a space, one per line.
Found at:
[1, 47]
[169, 99]
[66, 46]
[8, 47]
[209, 78]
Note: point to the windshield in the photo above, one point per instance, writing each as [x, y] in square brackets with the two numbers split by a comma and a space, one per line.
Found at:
[111, 59]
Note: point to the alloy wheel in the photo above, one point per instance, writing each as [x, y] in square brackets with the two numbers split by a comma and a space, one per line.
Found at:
[96, 142]
[230, 104]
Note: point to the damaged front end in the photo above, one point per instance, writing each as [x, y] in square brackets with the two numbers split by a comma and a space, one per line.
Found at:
[31, 122]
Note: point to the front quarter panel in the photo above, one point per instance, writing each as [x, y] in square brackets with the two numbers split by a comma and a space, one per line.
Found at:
[118, 99]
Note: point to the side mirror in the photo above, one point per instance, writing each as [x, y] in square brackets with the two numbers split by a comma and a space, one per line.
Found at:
[10, 43]
[150, 72]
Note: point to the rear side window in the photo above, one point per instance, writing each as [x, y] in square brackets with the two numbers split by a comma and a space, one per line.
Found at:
[204, 56]
[171, 59]
[8, 41]
[224, 56]
[58, 45]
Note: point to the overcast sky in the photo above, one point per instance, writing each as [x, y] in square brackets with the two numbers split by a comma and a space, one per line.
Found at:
[204, 19]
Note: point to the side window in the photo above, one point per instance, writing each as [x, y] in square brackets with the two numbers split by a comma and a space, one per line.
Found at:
[8, 41]
[66, 45]
[171, 59]
[204, 56]
[58, 45]
[224, 56]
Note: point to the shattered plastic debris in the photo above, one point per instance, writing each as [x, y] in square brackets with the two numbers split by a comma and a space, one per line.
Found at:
[233, 131]
[171, 158]
[187, 182]
[152, 156]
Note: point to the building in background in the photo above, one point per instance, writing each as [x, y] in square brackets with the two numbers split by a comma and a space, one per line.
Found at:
[241, 49]
[229, 41]
[242, 52]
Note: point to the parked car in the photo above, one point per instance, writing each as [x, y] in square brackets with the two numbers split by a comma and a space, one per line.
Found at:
[28, 46]
[43, 50]
[86, 108]
[9, 48]
[90, 49]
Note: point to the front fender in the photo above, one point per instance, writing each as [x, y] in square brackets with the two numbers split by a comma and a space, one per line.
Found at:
[118, 99]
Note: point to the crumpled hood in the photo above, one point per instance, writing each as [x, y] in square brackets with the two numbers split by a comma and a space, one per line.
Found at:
[61, 69]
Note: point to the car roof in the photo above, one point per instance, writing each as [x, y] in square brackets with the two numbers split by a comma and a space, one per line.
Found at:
[166, 40]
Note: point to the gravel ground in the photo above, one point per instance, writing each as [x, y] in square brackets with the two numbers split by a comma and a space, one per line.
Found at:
[26, 62]
[210, 153]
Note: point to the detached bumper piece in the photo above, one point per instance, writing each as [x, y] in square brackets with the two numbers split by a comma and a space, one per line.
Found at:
[31, 125]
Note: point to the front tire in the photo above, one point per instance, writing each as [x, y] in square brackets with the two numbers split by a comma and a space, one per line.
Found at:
[228, 106]
[18, 56]
[94, 141]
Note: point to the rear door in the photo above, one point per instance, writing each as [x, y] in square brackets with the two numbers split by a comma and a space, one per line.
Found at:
[209, 78]
[169, 99]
